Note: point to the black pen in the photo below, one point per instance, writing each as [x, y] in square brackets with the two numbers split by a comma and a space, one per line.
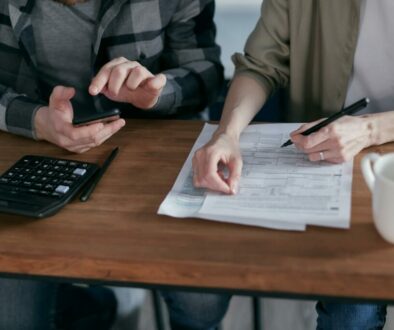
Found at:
[90, 186]
[351, 109]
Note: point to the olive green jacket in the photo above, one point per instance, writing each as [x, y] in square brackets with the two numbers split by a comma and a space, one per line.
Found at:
[306, 46]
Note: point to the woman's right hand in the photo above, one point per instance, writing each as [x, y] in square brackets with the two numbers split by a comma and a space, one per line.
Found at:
[222, 151]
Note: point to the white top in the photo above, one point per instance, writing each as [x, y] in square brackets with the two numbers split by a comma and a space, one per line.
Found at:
[373, 70]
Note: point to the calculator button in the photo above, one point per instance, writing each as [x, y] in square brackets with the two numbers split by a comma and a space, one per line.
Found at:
[73, 177]
[4, 180]
[10, 174]
[79, 171]
[68, 169]
[68, 182]
[74, 164]
[62, 189]
[55, 194]
[49, 187]
[44, 193]
[62, 162]
[38, 185]
[15, 182]
[14, 190]
[27, 183]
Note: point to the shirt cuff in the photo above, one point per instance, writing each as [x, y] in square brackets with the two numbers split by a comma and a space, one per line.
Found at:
[20, 116]
[169, 99]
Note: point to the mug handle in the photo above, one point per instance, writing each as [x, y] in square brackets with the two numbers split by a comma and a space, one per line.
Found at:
[366, 168]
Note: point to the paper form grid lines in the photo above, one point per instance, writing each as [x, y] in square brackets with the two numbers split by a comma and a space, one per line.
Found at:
[279, 187]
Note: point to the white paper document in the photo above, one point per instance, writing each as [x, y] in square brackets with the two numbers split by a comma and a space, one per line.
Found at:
[279, 188]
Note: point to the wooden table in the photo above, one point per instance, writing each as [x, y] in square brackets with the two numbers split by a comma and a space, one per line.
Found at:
[117, 237]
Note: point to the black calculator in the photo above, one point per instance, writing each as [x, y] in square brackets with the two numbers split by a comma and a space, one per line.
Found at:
[38, 186]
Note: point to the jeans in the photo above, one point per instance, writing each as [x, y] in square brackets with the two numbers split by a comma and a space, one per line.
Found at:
[195, 311]
[40, 305]
[200, 311]
[27, 305]
[341, 316]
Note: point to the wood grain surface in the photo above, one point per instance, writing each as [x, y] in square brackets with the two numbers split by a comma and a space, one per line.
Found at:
[117, 237]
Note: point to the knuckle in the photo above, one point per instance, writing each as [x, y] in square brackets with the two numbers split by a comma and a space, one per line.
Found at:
[121, 58]
[340, 143]
[333, 130]
[117, 71]
[138, 69]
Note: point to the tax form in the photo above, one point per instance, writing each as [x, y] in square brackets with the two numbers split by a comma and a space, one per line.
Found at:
[279, 188]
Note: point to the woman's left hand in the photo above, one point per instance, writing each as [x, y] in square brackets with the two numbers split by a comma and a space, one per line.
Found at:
[337, 142]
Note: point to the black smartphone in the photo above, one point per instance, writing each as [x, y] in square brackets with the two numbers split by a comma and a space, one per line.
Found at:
[91, 116]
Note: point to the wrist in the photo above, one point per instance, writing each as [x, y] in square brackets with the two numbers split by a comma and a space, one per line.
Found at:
[231, 134]
[372, 130]
[40, 122]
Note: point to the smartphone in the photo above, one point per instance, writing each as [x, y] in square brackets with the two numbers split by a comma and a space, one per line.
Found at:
[91, 116]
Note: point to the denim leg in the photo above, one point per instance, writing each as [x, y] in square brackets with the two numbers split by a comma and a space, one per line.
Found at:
[341, 316]
[195, 311]
[27, 304]
[82, 308]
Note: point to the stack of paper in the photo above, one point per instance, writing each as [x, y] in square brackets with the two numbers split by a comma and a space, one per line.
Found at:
[280, 188]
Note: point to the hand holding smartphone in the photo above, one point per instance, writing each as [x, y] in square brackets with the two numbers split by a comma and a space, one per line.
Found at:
[93, 116]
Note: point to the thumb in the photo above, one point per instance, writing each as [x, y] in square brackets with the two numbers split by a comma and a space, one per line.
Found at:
[60, 98]
[156, 83]
[235, 169]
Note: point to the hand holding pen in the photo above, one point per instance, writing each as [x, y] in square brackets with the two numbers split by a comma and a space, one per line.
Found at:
[335, 139]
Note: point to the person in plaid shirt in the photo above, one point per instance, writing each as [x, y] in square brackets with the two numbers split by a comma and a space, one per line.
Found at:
[150, 58]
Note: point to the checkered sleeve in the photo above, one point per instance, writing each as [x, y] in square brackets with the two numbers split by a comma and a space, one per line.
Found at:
[17, 113]
[191, 59]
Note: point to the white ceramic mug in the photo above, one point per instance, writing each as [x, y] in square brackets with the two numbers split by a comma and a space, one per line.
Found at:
[378, 173]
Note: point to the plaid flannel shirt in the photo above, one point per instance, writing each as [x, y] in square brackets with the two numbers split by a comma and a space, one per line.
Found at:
[175, 37]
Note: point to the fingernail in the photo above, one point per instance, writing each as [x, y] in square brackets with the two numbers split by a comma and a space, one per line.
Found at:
[234, 188]
[94, 90]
